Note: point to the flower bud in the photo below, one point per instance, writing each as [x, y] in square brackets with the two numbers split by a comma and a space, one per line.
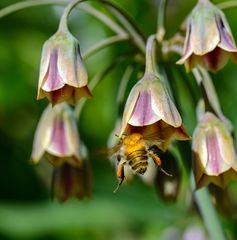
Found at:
[70, 181]
[214, 156]
[209, 41]
[149, 108]
[63, 76]
[57, 137]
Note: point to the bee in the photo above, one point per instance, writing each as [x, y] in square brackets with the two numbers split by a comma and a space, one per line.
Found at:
[135, 150]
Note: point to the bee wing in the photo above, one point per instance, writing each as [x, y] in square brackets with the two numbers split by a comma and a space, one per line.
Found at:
[154, 138]
[114, 149]
[105, 153]
[111, 151]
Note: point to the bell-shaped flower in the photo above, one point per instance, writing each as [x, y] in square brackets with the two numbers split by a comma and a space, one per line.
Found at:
[209, 41]
[56, 137]
[63, 76]
[71, 181]
[214, 156]
[150, 111]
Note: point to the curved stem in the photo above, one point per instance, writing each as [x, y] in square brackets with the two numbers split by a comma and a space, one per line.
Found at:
[209, 94]
[150, 55]
[63, 21]
[102, 44]
[227, 4]
[124, 18]
[123, 84]
[89, 9]
[27, 4]
[160, 21]
[105, 19]
[128, 24]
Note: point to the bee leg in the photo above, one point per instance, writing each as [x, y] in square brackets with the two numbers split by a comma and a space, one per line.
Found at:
[120, 174]
[157, 161]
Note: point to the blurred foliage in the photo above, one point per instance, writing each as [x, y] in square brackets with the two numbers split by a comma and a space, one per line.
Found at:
[135, 211]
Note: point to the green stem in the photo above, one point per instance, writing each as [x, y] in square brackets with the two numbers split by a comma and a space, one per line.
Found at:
[64, 19]
[227, 4]
[208, 213]
[209, 94]
[102, 44]
[103, 18]
[123, 84]
[89, 9]
[150, 55]
[160, 21]
[130, 26]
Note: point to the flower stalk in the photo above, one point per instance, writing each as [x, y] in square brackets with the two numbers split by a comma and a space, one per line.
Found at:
[129, 25]
[208, 212]
[150, 55]
[160, 21]
[63, 26]
[227, 4]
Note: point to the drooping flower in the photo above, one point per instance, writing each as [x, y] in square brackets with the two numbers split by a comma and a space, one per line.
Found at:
[149, 110]
[214, 156]
[57, 137]
[209, 41]
[63, 76]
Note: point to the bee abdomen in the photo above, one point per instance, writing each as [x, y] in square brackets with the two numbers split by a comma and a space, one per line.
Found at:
[139, 163]
[134, 154]
[140, 167]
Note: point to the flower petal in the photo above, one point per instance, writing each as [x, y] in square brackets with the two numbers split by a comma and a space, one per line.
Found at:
[44, 65]
[58, 142]
[53, 80]
[215, 162]
[216, 59]
[228, 152]
[163, 105]
[205, 33]
[130, 104]
[187, 52]
[72, 136]
[226, 39]
[143, 114]
[42, 135]
[70, 63]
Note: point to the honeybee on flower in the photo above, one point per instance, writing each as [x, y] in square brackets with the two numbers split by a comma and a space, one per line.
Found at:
[135, 151]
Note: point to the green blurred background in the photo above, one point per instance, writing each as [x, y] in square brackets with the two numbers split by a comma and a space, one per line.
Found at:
[136, 211]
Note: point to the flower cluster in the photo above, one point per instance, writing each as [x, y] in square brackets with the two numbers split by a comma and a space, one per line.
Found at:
[150, 120]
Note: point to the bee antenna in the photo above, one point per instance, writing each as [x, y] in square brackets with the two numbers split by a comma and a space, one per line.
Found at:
[119, 184]
[168, 174]
[116, 135]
